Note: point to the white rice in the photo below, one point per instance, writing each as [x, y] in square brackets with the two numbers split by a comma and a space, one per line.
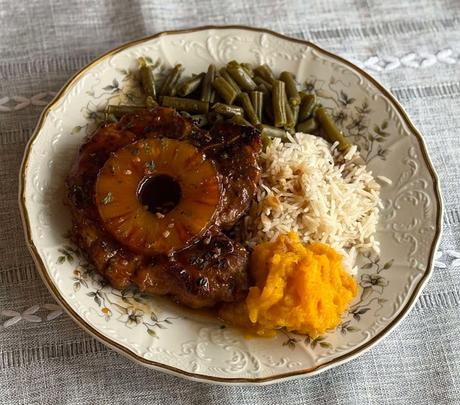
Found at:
[308, 187]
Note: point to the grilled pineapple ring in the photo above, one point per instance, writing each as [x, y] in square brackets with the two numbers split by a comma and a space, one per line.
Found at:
[157, 195]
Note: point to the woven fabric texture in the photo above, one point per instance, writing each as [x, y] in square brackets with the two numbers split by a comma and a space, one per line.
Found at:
[412, 47]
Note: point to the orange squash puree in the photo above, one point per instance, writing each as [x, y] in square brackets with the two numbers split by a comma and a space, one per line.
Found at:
[303, 288]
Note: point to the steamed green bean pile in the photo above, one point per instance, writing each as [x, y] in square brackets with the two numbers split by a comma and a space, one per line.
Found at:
[240, 94]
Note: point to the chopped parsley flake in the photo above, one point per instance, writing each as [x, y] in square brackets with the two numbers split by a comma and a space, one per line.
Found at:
[198, 261]
[150, 166]
[108, 198]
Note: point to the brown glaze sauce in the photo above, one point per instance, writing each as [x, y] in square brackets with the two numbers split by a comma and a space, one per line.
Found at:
[212, 270]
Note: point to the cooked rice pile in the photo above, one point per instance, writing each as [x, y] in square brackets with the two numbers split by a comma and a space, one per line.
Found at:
[302, 190]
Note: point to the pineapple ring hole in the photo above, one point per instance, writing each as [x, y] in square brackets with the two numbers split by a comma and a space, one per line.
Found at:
[160, 193]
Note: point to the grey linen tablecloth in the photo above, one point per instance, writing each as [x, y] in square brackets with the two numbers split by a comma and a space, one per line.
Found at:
[412, 47]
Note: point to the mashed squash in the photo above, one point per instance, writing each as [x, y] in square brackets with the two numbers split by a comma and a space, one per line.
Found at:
[300, 287]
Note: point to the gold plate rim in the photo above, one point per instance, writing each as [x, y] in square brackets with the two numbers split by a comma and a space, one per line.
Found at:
[202, 377]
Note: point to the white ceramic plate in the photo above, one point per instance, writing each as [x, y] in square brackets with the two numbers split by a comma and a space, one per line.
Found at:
[158, 334]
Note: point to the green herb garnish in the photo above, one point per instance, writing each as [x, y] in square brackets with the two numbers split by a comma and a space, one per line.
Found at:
[150, 166]
[108, 198]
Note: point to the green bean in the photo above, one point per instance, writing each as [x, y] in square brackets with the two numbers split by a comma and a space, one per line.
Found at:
[263, 89]
[120, 110]
[331, 131]
[224, 89]
[266, 141]
[239, 120]
[308, 102]
[291, 88]
[290, 123]
[240, 76]
[213, 97]
[262, 82]
[307, 126]
[295, 113]
[200, 119]
[318, 105]
[279, 103]
[245, 101]
[248, 68]
[171, 80]
[214, 117]
[265, 73]
[185, 104]
[268, 107]
[190, 85]
[150, 102]
[227, 110]
[147, 81]
[272, 132]
[257, 100]
[224, 73]
[207, 92]
[110, 118]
